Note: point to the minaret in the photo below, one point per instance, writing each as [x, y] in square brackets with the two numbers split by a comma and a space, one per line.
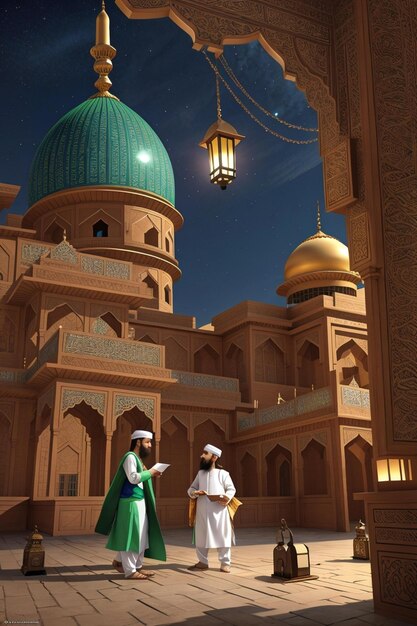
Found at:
[103, 53]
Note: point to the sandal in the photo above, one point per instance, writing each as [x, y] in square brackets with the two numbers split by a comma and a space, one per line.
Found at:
[146, 572]
[137, 576]
[118, 566]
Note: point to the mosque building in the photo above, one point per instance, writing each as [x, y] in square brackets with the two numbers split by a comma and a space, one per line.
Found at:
[90, 348]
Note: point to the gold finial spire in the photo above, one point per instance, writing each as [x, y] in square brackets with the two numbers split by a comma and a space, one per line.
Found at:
[318, 217]
[103, 53]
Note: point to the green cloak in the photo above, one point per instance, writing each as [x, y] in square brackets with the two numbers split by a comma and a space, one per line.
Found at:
[120, 520]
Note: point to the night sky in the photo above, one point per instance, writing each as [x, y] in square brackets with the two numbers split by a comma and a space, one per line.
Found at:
[234, 243]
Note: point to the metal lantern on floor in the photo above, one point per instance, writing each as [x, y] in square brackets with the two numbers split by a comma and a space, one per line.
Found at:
[291, 560]
[34, 555]
[361, 542]
[221, 140]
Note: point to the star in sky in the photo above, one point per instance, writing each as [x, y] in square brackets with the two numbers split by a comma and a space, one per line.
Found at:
[234, 243]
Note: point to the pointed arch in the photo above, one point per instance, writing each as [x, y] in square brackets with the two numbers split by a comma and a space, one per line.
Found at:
[126, 423]
[207, 360]
[359, 477]
[107, 324]
[147, 339]
[308, 358]
[174, 447]
[82, 430]
[314, 462]
[352, 363]
[234, 363]
[65, 316]
[151, 286]
[249, 475]
[100, 229]
[56, 229]
[176, 356]
[209, 432]
[151, 237]
[269, 363]
[278, 472]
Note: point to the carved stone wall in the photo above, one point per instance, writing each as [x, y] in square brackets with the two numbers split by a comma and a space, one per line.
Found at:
[393, 27]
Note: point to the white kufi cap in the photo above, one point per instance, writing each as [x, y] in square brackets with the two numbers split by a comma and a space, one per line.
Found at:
[141, 434]
[213, 450]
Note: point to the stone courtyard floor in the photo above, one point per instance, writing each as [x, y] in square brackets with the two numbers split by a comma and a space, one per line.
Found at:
[81, 588]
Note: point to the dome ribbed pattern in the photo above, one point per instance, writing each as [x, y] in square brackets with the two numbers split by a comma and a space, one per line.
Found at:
[98, 143]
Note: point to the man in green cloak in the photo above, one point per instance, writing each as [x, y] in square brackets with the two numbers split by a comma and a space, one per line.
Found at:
[128, 514]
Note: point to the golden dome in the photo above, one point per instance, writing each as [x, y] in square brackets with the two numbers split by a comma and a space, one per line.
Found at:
[318, 253]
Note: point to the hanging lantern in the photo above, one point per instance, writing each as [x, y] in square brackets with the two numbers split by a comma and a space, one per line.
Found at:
[221, 140]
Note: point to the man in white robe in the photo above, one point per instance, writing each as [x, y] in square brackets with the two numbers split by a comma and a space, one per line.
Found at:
[213, 528]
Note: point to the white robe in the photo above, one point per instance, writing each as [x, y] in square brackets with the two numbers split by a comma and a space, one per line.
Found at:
[213, 528]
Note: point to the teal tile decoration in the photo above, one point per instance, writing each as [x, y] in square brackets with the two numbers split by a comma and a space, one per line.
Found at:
[98, 143]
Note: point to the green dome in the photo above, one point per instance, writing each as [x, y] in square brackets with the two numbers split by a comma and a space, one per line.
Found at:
[101, 142]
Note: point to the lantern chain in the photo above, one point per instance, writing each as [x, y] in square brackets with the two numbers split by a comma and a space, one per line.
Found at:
[278, 119]
[219, 108]
[251, 115]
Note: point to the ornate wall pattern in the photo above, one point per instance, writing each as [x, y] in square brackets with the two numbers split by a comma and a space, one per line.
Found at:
[396, 536]
[116, 349]
[352, 395]
[72, 397]
[395, 516]
[32, 252]
[124, 403]
[393, 25]
[65, 253]
[207, 381]
[398, 580]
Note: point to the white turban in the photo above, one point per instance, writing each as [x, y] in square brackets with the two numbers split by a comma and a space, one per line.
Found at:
[141, 434]
[213, 450]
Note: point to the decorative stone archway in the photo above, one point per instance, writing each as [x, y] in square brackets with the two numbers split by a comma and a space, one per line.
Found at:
[355, 60]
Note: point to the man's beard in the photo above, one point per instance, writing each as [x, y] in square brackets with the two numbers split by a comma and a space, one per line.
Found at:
[205, 465]
[144, 452]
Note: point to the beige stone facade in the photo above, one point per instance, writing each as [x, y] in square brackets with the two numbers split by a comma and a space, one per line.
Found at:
[90, 352]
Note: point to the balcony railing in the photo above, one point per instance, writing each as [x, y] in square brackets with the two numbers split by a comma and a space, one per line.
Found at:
[308, 402]
[111, 348]
[207, 381]
[355, 396]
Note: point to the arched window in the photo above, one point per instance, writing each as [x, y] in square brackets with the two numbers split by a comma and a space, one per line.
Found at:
[100, 229]
[152, 237]
[151, 285]
[167, 294]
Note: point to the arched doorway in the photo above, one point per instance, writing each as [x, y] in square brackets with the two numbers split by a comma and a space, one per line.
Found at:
[358, 460]
[279, 472]
[128, 422]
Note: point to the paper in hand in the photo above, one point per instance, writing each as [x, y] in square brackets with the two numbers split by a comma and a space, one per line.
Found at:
[160, 467]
